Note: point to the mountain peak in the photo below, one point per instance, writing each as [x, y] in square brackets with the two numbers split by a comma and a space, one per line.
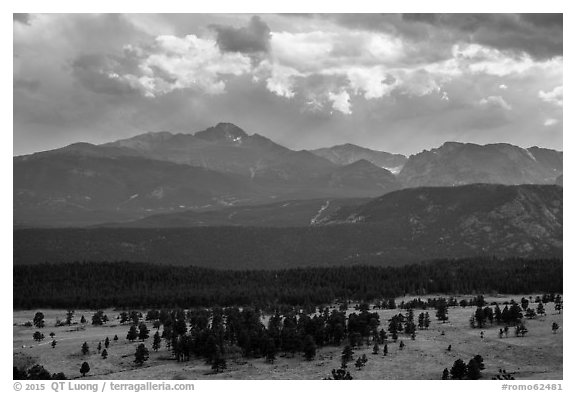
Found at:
[222, 131]
[362, 163]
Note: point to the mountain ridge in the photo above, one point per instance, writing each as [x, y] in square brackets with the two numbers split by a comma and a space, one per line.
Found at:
[86, 184]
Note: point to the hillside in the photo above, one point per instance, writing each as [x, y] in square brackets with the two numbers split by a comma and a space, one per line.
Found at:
[296, 213]
[401, 227]
[482, 216]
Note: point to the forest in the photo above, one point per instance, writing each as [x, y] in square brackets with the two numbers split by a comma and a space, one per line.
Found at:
[262, 248]
[97, 285]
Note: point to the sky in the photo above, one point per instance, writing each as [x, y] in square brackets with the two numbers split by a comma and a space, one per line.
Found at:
[394, 82]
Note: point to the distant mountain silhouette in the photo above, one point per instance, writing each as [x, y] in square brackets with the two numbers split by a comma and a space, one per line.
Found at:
[456, 163]
[349, 153]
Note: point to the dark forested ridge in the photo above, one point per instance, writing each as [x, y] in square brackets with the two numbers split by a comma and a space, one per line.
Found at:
[122, 284]
[245, 248]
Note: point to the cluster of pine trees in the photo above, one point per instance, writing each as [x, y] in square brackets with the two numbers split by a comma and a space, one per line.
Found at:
[36, 372]
[223, 333]
[134, 285]
[461, 370]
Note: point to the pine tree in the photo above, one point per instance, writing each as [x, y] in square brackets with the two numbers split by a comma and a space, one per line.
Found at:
[498, 314]
[99, 347]
[458, 370]
[37, 336]
[115, 337]
[402, 345]
[514, 314]
[132, 333]
[555, 327]
[341, 374]
[473, 370]
[141, 354]
[479, 317]
[124, 317]
[53, 343]
[39, 320]
[82, 320]
[426, 321]
[106, 342]
[442, 310]
[69, 316]
[421, 321]
[480, 361]
[385, 351]
[98, 318]
[558, 305]
[157, 341]
[309, 348]
[376, 349]
[104, 354]
[85, 348]
[144, 333]
[347, 354]
[445, 374]
[84, 369]
[540, 309]
[52, 334]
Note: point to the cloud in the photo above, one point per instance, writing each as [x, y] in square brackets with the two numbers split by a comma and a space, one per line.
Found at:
[550, 122]
[495, 101]
[21, 18]
[372, 65]
[90, 71]
[280, 79]
[482, 59]
[539, 36]
[30, 85]
[174, 63]
[503, 87]
[407, 82]
[250, 39]
[340, 102]
[555, 96]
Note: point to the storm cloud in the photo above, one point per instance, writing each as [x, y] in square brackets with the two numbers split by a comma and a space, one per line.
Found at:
[21, 18]
[400, 83]
[247, 39]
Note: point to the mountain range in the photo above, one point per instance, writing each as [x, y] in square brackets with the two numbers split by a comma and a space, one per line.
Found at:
[223, 167]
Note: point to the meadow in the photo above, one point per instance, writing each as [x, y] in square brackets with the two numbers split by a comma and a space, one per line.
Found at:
[538, 355]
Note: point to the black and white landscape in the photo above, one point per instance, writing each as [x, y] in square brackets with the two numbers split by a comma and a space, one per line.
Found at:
[237, 196]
